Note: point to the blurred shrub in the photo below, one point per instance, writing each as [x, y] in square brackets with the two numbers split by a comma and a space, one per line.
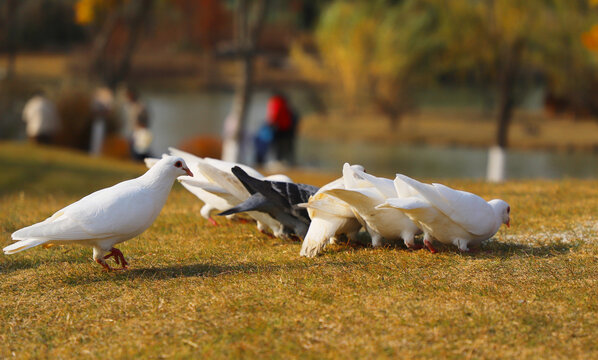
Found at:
[13, 95]
[76, 117]
[74, 109]
[203, 146]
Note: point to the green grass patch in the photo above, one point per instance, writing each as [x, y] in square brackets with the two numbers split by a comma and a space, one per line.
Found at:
[198, 291]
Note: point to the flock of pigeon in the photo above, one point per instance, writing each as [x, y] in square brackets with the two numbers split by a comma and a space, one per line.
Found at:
[388, 210]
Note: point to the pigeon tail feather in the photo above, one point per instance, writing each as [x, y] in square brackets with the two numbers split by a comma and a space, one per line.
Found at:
[23, 245]
[251, 204]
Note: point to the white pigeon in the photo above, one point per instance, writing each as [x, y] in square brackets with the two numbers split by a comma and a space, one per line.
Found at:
[364, 195]
[211, 192]
[233, 186]
[447, 215]
[106, 217]
[330, 217]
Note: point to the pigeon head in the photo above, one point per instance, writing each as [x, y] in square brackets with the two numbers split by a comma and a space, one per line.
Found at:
[172, 165]
[178, 165]
[502, 209]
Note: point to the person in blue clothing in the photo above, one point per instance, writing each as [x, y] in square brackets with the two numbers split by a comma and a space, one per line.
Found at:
[262, 142]
[283, 121]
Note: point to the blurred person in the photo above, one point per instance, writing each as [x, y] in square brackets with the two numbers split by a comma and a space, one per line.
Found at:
[102, 105]
[41, 118]
[141, 139]
[283, 121]
[262, 141]
[138, 121]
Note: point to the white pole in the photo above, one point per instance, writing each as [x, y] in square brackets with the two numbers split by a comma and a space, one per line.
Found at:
[98, 130]
[496, 164]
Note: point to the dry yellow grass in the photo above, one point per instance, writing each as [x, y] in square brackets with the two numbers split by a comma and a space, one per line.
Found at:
[196, 291]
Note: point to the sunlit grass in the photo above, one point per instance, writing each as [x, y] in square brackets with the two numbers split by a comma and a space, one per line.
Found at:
[197, 291]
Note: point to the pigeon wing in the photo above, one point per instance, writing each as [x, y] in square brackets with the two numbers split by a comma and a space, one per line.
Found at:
[385, 186]
[190, 159]
[294, 194]
[282, 195]
[227, 166]
[224, 179]
[407, 204]
[329, 204]
[256, 202]
[207, 186]
[362, 200]
[468, 210]
[121, 210]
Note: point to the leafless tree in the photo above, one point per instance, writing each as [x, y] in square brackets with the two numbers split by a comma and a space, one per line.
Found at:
[247, 32]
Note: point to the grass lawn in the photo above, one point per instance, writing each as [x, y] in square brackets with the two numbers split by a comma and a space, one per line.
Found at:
[197, 291]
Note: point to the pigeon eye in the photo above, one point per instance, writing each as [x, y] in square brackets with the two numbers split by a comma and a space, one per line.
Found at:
[508, 209]
[178, 164]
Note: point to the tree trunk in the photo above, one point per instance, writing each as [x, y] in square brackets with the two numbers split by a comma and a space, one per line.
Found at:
[506, 93]
[113, 72]
[121, 70]
[505, 110]
[246, 40]
[507, 80]
[98, 52]
[11, 34]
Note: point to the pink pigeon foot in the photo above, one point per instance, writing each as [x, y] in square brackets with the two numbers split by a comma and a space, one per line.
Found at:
[118, 257]
[430, 247]
[104, 265]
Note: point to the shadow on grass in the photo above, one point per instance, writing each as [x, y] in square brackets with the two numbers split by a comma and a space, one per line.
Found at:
[8, 266]
[200, 270]
[197, 270]
[498, 249]
[494, 249]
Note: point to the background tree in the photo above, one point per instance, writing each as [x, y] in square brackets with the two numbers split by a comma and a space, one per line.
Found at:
[10, 8]
[249, 21]
[503, 42]
[113, 65]
[371, 53]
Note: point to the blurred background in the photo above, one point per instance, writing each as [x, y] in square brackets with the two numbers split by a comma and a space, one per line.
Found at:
[431, 88]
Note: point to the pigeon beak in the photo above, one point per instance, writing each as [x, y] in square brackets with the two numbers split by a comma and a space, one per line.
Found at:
[508, 223]
[188, 171]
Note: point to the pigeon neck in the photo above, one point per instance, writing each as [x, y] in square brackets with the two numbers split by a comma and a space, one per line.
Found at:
[157, 178]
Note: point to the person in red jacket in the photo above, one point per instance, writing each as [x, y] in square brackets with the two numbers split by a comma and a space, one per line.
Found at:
[281, 118]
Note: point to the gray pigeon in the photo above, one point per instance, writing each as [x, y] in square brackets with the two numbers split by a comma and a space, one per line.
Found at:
[277, 199]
